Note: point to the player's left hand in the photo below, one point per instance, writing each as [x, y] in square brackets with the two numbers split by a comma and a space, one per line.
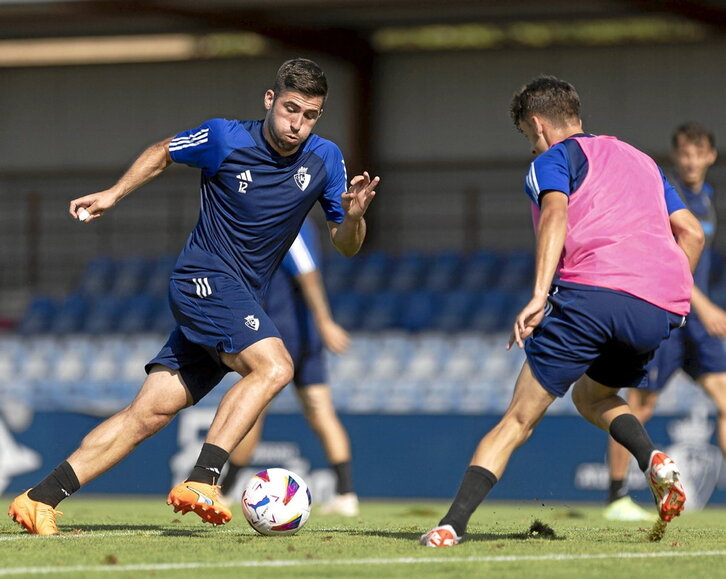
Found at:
[527, 320]
[336, 339]
[361, 192]
[714, 320]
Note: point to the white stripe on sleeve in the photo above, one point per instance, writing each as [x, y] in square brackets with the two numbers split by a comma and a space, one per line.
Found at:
[301, 256]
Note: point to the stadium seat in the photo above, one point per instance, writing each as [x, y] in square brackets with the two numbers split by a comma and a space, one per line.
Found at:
[38, 316]
[130, 277]
[443, 272]
[137, 314]
[479, 270]
[346, 308]
[408, 272]
[98, 277]
[70, 315]
[418, 309]
[381, 311]
[103, 315]
[157, 281]
[338, 272]
[371, 273]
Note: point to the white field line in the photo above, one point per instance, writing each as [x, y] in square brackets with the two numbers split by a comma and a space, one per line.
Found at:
[334, 562]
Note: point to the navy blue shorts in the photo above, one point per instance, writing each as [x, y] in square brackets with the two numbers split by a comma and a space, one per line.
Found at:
[299, 333]
[691, 348]
[608, 335]
[214, 314]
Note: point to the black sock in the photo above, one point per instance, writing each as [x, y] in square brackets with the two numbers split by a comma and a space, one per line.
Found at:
[344, 477]
[209, 464]
[230, 477]
[61, 483]
[628, 431]
[617, 490]
[476, 485]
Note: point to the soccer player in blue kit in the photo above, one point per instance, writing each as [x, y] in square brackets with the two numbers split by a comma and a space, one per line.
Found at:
[259, 180]
[615, 251]
[697, 348]
[297, 303]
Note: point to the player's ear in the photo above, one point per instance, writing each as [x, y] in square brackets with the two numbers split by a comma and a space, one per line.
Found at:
[269, 99]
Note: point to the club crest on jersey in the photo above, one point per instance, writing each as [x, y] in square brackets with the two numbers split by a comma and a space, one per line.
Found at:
[252, 322]
[302, 178]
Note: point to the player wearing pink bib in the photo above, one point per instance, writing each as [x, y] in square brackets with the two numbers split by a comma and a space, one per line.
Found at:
[612, 279]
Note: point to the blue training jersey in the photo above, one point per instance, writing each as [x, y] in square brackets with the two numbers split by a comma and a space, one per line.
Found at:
[253, 200]
[701, 205]
[563, 167]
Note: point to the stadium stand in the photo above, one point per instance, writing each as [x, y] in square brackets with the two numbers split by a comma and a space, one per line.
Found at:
[428, 336]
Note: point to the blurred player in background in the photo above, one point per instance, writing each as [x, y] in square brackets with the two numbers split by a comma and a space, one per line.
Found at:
[615, 251]
[698, 347]
[297, 304]
[259, 181]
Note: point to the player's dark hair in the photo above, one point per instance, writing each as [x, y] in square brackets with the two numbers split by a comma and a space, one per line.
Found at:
[547, 96]
[303, 76]
[694, 133]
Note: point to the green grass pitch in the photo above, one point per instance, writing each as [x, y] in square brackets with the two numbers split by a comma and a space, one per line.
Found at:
[142, 537]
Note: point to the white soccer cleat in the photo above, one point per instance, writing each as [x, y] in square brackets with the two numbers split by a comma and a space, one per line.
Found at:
[345, 505]
[626, 509]
[663, 478]
[442, 536]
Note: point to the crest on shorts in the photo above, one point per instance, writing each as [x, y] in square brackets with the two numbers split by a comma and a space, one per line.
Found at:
[252, 322]
[302, 178]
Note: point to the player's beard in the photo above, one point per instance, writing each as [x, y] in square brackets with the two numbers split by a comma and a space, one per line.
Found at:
[279, 142]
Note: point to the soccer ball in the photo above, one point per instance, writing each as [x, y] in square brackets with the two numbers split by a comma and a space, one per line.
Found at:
[276, 502]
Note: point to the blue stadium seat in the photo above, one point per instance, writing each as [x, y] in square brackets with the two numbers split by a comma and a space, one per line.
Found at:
[130, 277]
[163, 321]
[453, 311]
[418, 309]
[479, 270]
[103, 315]
[338, 272]
[407, 272]
[70, 315]
[157, 281]
[371, 273]
[516, 270]
[346, 308]
[98, 277]
[444, 272]
[137, 314]
[38, 316]
[381, 311]
[491, 312]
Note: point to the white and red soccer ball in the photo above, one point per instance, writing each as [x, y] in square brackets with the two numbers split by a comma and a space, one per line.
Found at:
[276, 501]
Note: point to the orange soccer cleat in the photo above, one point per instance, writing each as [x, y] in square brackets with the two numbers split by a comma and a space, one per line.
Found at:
[36, 517]
[203, 499]
[663, 478]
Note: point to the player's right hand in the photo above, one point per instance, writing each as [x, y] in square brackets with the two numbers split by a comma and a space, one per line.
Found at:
[526, 321]
[95, 204]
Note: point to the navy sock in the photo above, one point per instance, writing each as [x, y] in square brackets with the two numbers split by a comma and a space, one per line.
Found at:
[230, 477]
[476, 485]
[209, 464]
[344, 477]
[617, 490]
[61, 483]
[628, 431]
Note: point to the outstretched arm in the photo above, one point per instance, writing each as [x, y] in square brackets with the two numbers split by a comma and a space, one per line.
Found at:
[334, 336]
[151, 163]
[348, 236]
[550, 241]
